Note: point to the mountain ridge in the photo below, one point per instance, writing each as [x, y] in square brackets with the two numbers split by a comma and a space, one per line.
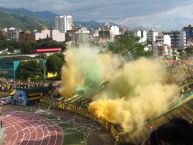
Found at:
[43, 18]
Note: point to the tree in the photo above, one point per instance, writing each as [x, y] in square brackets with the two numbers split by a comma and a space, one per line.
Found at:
[2, 37]
[129, 46]
[49, 42]
[33, 69]
[55, 62]
[189, 51]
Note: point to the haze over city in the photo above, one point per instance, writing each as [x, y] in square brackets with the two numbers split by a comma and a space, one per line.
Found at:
[160, 15]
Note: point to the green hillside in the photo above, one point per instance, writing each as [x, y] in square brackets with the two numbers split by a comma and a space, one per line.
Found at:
[26, 19]
[21, 21]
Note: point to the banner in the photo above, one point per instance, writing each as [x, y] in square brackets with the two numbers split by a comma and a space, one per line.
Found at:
[20, 98]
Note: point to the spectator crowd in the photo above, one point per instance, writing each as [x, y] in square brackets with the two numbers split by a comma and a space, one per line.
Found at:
[8, 85]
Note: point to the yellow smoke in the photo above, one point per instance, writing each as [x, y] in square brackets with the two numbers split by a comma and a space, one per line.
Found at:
[85, 70]
[71, 76]
[109, 65]
[136, 93]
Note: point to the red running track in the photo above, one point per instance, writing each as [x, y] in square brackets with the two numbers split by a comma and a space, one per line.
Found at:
[26, 128]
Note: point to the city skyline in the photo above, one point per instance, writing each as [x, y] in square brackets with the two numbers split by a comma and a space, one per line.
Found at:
[160, 15]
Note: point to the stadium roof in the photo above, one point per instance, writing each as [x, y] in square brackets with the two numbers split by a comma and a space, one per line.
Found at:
[12, 58]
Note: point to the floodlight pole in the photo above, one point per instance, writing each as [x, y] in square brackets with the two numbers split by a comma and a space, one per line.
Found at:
[1, 116]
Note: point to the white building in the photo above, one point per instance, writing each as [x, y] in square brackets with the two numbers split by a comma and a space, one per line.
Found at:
[43, 34]
[115, 30]
[96, 33]
[162, 39]
[54, 34]
[142, 35]
[83, 30]
[178, 39]
[57, 36]
[63, 23]
[12, 33]
[5, 29]
[162, 47]
[151, 36]
[182, 41]
[163, 51]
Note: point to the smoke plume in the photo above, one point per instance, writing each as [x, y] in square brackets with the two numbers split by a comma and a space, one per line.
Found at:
[85, 70]
[138, 90]
[136, 93]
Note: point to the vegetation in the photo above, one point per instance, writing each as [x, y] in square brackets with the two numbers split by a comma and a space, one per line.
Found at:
[55, 62]
[46, 43]
[21, 21]
[129, 47]
[189, 51]
[28, 47]
[33, 69]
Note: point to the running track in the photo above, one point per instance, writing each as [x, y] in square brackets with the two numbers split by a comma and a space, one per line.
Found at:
[26, 128]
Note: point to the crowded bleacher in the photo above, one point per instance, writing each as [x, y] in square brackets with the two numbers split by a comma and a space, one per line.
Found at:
[8, 85]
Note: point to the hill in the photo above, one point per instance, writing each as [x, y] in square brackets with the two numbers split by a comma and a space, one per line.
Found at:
[45, 16]
[27, 19]
[23, 21]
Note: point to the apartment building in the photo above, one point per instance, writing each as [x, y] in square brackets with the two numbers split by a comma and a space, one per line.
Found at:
[64, 23]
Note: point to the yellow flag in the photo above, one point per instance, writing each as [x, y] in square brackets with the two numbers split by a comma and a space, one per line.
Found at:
[51, 75]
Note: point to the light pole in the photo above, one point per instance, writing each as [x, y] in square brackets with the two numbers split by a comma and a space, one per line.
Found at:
[44, 67]
[1, 116]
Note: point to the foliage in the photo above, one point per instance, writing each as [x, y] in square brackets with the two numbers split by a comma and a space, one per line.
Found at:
[2, 37]
[46, 43]
[28, 47]
[33, 69]
[129, 46]
[189, 51]
[20, 21]
[55, 62]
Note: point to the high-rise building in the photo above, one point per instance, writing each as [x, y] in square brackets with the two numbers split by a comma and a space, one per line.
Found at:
[189, 32]
[13, 34]
[151, 36]
[178, 39]
[162, 39]
[142, 35]
[63, 23]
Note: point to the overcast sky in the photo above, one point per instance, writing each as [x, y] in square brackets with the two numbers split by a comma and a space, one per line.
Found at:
[157, 14]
